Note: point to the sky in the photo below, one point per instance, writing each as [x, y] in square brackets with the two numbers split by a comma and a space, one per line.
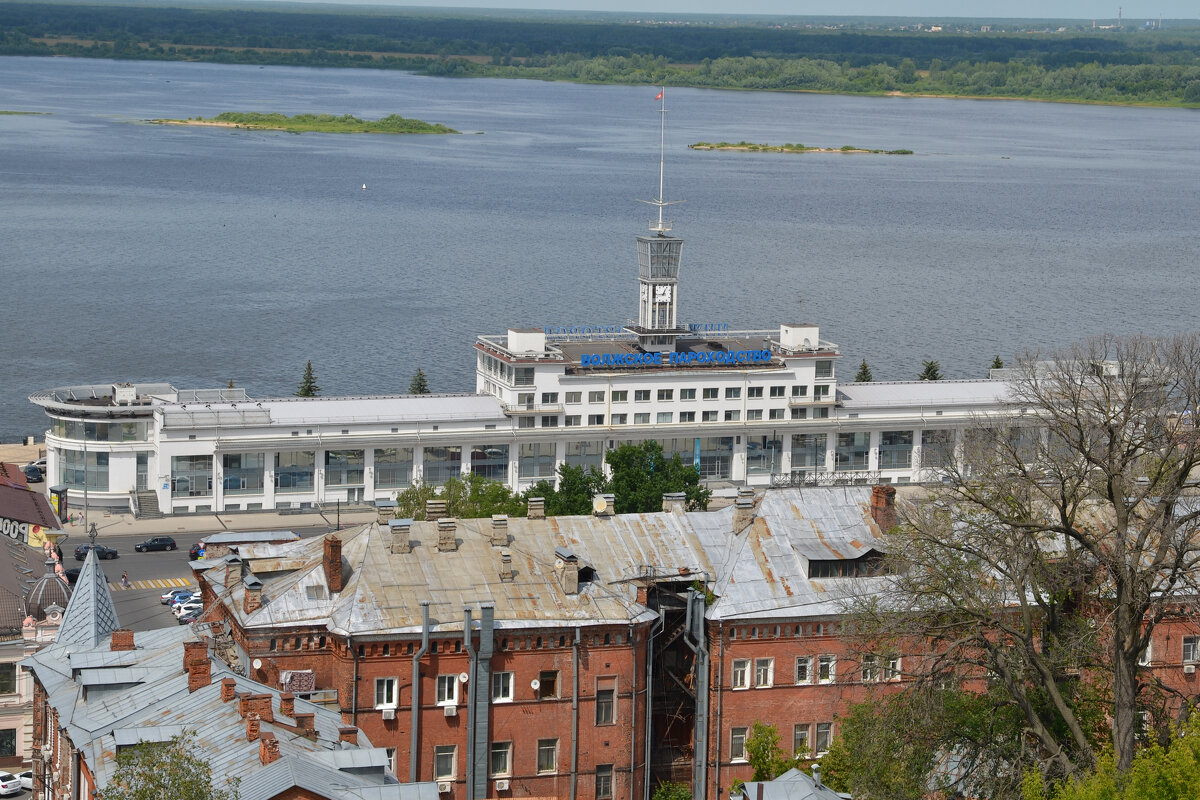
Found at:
[1133, 12]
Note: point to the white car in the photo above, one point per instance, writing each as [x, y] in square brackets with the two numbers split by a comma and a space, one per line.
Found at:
[9, 784]
[190, 605]
[26, 779]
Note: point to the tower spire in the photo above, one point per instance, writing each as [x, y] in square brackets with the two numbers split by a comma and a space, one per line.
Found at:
[661, 227]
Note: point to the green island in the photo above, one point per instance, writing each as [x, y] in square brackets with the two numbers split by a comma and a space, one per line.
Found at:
[312, 123]
[791, 148]
[24, 113]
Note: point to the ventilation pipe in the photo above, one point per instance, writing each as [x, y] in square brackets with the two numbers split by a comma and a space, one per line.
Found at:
[481, 678]
[575, 712]
[472, 657]
[655, 630]
[694, 632]
[416, 692]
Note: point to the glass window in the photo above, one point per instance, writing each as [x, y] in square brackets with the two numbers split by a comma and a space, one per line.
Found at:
[191, 476]
[549, 398]
[937, 448]
[524, 376]
[75, 472]
[665, 417]
[733, 392]
[443, 463]
[712, 393]
[595, 397]
[753, 414]
[604, 781]
[665, 394]
[8, 742]
[385, 692]
[294, 471]
[502, 687]
[687, 394]
[853, 451]
[641, 395]
[824, 368]
[687, 416]
[242, 473]
[824, 737]
[605, 706]
[808, 451]
[641, 419]
[447, 690]
[585, 454]
[574, 397]
[895, 449]
[344, 467]
[549, 420]
[393, 467]
[739, 677]
[525, 399]
[595, 419]
[778, 391]
[709, 416]
[8, 678]
[804, 669]
[776, 413]
[870, 669]
[732, 416]
[501, 758]
[618, 419]
[764, 672]
[826, 669]
[1191, 648]
[716, 458]
[799, 391]
[800, 739]
[620, 396]
[764, 455]
[891, 671]
[525, 422]
[490, 461]
[737, 744]
[536, 460]
[573, 420]
[754, 391]
[548, 683]
[443, 761]
[547, 760]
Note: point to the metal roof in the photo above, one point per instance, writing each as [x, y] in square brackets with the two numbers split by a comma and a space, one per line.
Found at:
[91, 615]
[908, 394]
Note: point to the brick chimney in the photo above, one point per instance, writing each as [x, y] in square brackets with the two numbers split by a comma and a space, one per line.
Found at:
[253, 599]
[287, 704]
[883, 506]
[306, 722]
[122, 639]
[447, 535]
[743, 513]
[228, 689]
[537, 508]
[348, 734]
[506, 567]
[252, 724]
[499, 530]
[333, 563]
[268, 749]
[259, 705]
[675, 502]
[400, 530]
[233, 571]
[197, 665]
[434, 509]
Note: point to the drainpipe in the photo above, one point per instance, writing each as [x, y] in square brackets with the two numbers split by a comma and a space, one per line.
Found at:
[575, 712]
[632, 728]
[655, 630]
[720, 701]
[354, 687]
[482, 680]
[471, 658]
[416, 692]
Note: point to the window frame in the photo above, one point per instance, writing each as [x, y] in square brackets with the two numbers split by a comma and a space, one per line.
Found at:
[1192, 644]
[506, 694]
[604, 781]
[824, 730]
[544, 747]
[548, 677]
[445, 698]
[389, 686]
[807, 680]
[687, 394]
[737, 745]
[505, 748]
[798, 729]
[606, 706]
[764, 673]
[439, 752]
[739, 674]
[827, 664]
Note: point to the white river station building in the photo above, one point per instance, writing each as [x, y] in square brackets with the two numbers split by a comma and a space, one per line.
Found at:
[746, 407]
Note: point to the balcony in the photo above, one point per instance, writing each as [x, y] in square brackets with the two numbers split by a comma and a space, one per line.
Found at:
[528, 409]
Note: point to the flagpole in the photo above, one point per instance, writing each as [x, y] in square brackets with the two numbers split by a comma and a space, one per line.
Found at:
[662, 148]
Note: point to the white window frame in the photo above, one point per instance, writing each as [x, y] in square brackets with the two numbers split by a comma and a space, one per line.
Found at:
[764, 673]
[828, 731]
[739, 674]
[439, 752]
[1191, 649]
[551, 746]
[447, 690]
[506, 683]
[389, 692]
[870, 669]
[826, 669]
[737, 744]
[806, 729]
[500, 747]
[892, 668]
[807, 663]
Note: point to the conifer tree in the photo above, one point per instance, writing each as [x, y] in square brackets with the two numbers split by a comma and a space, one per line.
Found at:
[419, 384]
[308, 384]
[931, 372]
[997, 363]
[864, 373]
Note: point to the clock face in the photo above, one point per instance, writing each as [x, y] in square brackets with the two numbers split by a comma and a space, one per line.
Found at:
[662, 294]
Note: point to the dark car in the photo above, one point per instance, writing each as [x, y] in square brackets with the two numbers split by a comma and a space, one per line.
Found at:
[190, 616]
[155, 543]
[73, 576]
[33, 473]
[101, 552]
[197, 550]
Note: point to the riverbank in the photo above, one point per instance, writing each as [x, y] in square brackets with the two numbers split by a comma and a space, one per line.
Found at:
[792, 148]
[311, 123]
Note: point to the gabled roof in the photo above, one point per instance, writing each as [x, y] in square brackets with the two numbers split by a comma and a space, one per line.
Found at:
[791, 785]
[90, 616]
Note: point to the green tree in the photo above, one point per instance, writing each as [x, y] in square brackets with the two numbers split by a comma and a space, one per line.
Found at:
[669, 790]
[864, 373]
[764, 753]
[419, 383]
[997, 363]
[157, 770]
[573, 496]
[308, 384]
[642, 474]
[931, 372]
[469, 497]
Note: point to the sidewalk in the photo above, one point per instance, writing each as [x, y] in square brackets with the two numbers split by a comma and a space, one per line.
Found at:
[113, 523]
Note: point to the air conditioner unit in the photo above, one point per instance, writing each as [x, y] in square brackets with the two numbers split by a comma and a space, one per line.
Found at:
[451, 711]
[1189, 669]
[502, 785]
[389, 713]
[444, 787]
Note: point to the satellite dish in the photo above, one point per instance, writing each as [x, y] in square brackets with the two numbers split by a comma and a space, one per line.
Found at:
[462, 677]
[599, 504]
[535, 684]
[257, 663]
[558, 563]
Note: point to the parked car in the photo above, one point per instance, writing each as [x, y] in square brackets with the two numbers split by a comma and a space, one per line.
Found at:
[190, 605]
[181, 599]
[73, 575]
[33, 473]
[197, 551]
[155, 543]
[9, 784]
[173, 595]
[101, 551]
[190, 616]
[26, 779]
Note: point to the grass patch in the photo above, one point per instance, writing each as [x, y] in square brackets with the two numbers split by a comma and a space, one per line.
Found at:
[316, 123]
[792, 148]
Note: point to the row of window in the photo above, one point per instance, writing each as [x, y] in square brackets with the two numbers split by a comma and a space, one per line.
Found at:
[759, 673]
[546, 686]
[804, 744]
[500, 764]
[668, 395]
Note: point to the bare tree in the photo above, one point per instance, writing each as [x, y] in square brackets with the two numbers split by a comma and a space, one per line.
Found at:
[1063, 534]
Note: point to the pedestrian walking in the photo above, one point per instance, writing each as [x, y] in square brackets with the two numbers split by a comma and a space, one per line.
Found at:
[125, 579]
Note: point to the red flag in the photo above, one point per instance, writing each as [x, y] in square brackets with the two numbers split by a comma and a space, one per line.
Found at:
[659, 96]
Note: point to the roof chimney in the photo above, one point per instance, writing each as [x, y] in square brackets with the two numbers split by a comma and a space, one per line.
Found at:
[883, 507]
[400, 529]
[537, 508]
[228, 689]
[570, 570]
[434, 509]
[122, 639]
[506, 567]
[287, 704]
[385, 510]
[306, 722]
[333, 563]
[268, 749]
[743, 513]
[197, 665]
[233, 570]
[253, 599]
[252, 725]
[675, 502]
[499, 530]
[348, 734]
[447, 538]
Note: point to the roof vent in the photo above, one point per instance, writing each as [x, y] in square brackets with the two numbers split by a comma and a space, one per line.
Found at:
[447, 538]
[435, 509]
[675, 502]
[743, 513]
[385, 509]
[506, 566]
[499, 530]
[400, 529]
[537, 508]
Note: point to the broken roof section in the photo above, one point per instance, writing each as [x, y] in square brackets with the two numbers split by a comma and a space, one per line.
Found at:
[757, 569]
